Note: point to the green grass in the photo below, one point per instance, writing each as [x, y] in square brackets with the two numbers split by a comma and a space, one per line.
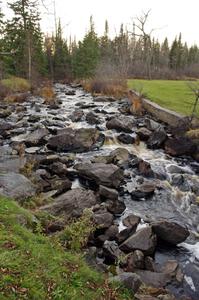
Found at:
[16, 84]
[36, 267]
[172, 94]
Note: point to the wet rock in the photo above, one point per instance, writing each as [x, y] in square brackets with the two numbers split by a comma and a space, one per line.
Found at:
[61, 186]
[178, 170]
[109, 234]
[125, 234]
[119, 156]
[58, 168]
[108, 193]
[80, 140]
[16, 186]
[121, 123]
[144, 134]
[144, 240]
[70, 92]
[130, 280]
[153, 125]
[170, 232]
[116, 207]
[4, 113]
[34, 118]
[103, 220]
[92, 119]
[180, 146]
[77, 115]
[170, 267]
[126, 138]
[111, 252]
[135, 260]
[131, 221]
[72, 203]
[144, 190]
[36, 137]
[104, 99]
[157, 139]
[102, 174]
[5, 127]
[145, 168]
[154, 279]
[32, 150]
[149, 264]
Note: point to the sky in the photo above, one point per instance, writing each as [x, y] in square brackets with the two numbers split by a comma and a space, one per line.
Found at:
[168, 17]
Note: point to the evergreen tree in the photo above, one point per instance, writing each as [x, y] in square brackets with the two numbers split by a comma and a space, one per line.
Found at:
[23, 37]
[86, 56]
[62, 61]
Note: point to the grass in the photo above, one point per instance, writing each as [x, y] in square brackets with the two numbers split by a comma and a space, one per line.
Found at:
[16, 84]
[172, 94]
[33, 266]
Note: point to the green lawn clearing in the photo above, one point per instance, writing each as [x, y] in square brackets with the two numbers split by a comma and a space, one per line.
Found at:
[172, 94]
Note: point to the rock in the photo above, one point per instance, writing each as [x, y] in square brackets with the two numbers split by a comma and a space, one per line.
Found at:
[125, 234]
[144, 134]
[92, 119]
[107, 193]
[170, 232]
[154, 279]
[149, 264]
[121, 123]
[157, 139]
[104, 99]
[109, 234]
[16, 186]
[72, 203]
[32, 150]
[116, 207]
[131, 221]
[119, 156]
[180, 146]
[135, 260]
[174, 169]
[144, 240]
[36, 137]
[58, 168]
[103, 220]
[126, 138]
[5, 127]
[145, 169]
[130, 280]
[80, 140]
[170, 267]
[111, 252]
[144, 190]
[61, 186]
[77, 115]
[4, 113]
[153, 125]
[102, 174]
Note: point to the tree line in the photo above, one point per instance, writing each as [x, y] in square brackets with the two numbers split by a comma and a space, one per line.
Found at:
[27, 52]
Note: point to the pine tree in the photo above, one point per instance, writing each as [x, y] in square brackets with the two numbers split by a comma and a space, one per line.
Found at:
[86, 56]
[23, 37]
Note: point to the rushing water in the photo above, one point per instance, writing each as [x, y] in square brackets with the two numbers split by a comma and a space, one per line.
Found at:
[170, 202]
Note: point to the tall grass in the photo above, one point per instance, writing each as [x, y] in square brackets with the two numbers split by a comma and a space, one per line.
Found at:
[16, 84]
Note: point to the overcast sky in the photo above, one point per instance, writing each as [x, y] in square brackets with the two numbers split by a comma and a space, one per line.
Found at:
[169, 16]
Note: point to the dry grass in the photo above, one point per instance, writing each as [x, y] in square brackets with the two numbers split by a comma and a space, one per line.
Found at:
[110, 87]
[48, 94]
[16, 98]
[16, 84]
[193, 134]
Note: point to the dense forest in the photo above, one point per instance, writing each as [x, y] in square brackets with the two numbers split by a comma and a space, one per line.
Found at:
[26, 51]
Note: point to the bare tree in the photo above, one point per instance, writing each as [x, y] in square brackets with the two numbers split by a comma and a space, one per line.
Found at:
[145, 37]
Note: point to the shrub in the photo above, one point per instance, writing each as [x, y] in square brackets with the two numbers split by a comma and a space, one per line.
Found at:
[75, 236]
[48, 94]
[16, 84]
[110, 87]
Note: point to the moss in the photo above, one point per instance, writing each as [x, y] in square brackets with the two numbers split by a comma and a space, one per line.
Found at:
[33, 266]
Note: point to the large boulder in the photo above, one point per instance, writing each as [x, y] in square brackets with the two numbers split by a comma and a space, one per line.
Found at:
[144, 240]
[121, 123]
[80, 140]
[170, 232]
[16, 186]
[72, 203]
[180, 146]
[108, 193]
[157, 139]
[101, 174]
[130, 280]
[154, 279]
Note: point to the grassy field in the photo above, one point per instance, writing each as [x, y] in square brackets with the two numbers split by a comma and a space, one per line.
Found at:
[172, 94]
[36, 267]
